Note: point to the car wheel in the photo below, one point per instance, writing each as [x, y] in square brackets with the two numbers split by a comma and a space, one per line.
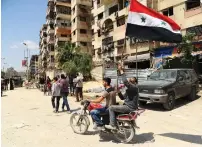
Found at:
[170, 103]
[192, 95]
[142, 103]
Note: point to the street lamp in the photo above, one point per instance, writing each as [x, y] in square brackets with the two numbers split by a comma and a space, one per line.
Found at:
[27, 58]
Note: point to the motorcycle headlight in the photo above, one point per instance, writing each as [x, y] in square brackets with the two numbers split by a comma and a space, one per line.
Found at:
[159, 91]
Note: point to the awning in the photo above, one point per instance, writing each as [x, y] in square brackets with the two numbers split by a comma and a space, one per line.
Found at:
[140, 58]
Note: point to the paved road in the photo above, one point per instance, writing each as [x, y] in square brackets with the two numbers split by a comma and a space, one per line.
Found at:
[28, 121]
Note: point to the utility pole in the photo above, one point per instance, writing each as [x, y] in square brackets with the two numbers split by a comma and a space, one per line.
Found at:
[27, 58]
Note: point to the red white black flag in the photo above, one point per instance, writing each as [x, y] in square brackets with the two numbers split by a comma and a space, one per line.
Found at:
[145, 23]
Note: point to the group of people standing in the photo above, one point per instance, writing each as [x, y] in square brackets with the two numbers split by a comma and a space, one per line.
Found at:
[62, 86]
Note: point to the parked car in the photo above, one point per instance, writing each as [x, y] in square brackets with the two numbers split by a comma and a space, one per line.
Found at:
[166, 85]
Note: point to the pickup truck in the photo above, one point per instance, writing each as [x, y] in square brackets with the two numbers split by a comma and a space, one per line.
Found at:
[166, 85]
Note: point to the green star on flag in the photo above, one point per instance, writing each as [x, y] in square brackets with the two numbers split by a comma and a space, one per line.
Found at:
[163, 23]
[143, 19]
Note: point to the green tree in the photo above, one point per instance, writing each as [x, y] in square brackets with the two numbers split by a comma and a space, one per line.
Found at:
[3, 74]
[72, 60]
[66, 53]
[186, 48]
[70, 67]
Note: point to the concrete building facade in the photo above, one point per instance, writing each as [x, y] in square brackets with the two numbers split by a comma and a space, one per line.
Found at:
[81, 24]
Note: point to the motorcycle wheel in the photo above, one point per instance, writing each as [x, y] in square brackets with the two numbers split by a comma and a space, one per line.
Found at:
[125, 132]
[77, 128]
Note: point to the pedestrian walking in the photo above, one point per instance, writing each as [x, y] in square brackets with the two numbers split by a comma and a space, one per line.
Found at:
[71, 85]
[64, 85]
[55, 95]
[47, 86]
[79, 87]
[11, 84]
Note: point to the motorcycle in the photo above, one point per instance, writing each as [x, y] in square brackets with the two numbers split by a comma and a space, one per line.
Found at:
[126, 123]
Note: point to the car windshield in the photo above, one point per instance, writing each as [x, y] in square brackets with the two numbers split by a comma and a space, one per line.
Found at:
[164, 75]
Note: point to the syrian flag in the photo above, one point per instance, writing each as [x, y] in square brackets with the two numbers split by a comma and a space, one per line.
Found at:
[145, 23]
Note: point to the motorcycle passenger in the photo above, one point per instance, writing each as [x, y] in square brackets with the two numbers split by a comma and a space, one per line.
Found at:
[110, 96]
[130, 99]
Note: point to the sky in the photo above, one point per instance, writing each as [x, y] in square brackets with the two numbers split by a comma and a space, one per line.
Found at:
[21, 21]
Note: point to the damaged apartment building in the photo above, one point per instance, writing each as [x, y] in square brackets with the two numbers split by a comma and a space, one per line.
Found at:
[66, 20]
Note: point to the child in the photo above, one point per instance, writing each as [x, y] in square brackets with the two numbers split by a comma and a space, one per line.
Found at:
[55, 94]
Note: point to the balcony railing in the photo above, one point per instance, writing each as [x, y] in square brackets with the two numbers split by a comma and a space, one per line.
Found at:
[65, 1]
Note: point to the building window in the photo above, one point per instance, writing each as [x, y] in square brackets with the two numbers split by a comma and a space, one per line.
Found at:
[191, 4]
[98, 2]
[92, 4]
[64, 24]
[120, 21]
[52, 59]
[74, 32]
[168, 12]
[74, 20]
[113, 9]
[120, 42]
[99, 33]
[82, 18]
[100, 16]
[92, 31]
[83, 43]
[63, 35]
[93, 52]
[52, 48]
[73, 10]
[83, 31]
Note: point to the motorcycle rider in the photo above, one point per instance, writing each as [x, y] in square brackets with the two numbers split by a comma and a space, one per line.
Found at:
[130, 99]
[110, 96]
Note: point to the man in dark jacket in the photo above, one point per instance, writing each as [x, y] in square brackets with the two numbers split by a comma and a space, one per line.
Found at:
[64, 85]
[130, 99]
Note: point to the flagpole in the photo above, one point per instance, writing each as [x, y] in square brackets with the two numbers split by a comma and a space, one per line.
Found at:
[136, 44]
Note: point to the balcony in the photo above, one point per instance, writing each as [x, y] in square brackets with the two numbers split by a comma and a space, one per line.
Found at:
[63, 12]
[63, 3]
[192, 12]
[108, 27]
[50, 39]
[49, 21]
[64, 31]
[59, 43]
[62, 23]
[50, 29]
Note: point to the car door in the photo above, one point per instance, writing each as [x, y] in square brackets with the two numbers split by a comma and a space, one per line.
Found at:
[188, 82]
[180, 84]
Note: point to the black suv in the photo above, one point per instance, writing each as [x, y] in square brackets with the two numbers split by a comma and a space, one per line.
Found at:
[166, 85]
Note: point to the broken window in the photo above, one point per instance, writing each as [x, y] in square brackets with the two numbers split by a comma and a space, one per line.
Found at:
[191, 4]
[83, 31]
[64, 35]
[82, 18]
[98, 2]
[168, 12]
[74, 32]
[100, 16]
[98, 33]
[83, 43]
[113, 9]
[120, 42]
[120, 21]
[52, 58]
[64, 10]
[52, 48]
